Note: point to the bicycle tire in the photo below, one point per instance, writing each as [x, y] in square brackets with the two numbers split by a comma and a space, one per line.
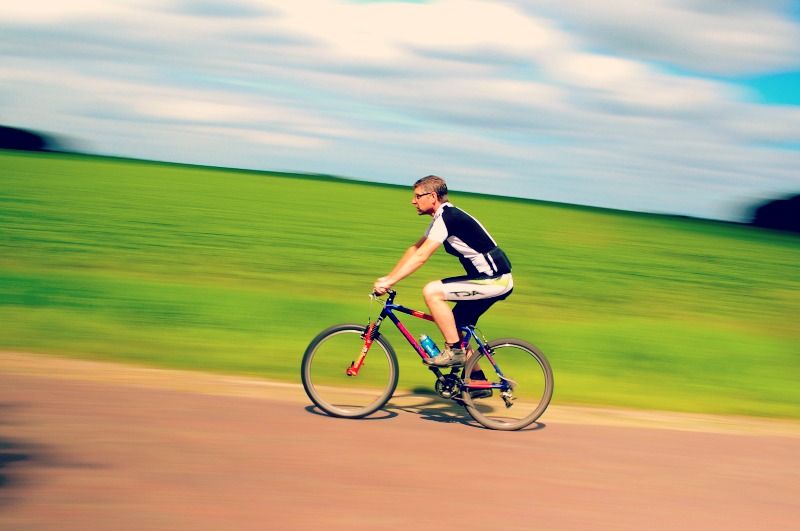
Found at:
[324, 366]
[521, 363]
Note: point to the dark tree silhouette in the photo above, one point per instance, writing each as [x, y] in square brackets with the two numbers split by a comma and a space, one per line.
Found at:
[12, 138]
[780, 214]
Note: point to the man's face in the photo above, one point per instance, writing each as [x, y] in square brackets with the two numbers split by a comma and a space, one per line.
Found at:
[424, 201]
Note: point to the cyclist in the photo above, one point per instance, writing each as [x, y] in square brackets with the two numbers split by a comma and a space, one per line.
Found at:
[488, 270]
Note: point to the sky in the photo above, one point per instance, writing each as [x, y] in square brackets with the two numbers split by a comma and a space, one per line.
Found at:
[687, 107]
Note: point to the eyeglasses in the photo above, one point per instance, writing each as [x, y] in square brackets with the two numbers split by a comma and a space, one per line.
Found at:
[422, 195]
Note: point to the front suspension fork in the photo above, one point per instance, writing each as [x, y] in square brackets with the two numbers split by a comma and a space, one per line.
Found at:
[369, 335]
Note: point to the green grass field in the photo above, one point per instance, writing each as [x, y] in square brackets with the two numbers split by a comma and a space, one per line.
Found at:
[235, 271]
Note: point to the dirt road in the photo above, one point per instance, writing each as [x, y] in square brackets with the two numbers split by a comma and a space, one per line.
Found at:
[88, 445]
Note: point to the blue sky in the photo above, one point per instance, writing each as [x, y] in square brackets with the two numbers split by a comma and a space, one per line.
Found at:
[687, 107]
[778, 88]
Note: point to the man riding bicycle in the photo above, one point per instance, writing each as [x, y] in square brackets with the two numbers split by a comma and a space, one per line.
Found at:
[488, 270]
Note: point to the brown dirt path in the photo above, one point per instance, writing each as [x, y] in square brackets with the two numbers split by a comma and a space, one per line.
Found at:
[92, 445]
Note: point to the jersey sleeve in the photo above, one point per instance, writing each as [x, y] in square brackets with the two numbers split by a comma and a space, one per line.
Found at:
[437, 230]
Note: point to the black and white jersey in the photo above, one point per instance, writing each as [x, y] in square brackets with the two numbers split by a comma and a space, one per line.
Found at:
[464, 237]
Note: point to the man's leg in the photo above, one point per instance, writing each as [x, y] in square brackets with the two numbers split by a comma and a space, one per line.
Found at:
[442, 314]
[467, 313]
[474, 297]
[445, 320]
[452, 355]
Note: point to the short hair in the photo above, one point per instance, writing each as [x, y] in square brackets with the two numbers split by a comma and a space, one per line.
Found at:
[432, 183]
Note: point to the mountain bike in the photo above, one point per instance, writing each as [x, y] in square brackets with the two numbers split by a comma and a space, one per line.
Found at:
[351, 371]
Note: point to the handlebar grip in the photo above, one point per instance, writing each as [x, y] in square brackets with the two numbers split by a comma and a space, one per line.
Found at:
[388, 292]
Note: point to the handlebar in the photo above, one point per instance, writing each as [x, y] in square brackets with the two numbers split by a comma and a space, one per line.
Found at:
[390, 292]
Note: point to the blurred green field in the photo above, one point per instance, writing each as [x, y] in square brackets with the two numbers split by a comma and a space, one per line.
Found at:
[235, 271]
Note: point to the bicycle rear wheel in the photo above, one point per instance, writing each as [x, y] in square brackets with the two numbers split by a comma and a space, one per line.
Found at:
[324, 372]
[527, 381]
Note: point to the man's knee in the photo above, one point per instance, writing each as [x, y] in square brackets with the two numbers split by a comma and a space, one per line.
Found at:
[433, 291]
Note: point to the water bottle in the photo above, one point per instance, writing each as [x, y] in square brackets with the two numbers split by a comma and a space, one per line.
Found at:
[429, 346]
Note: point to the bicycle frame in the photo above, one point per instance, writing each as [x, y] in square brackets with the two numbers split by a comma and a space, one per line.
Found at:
[389, 309]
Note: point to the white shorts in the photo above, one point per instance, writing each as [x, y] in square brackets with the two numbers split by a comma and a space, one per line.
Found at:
[473, 289]
[474, 296]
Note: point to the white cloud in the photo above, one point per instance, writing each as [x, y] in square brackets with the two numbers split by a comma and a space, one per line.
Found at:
[403, 31]
[54, 10]
[707, 36]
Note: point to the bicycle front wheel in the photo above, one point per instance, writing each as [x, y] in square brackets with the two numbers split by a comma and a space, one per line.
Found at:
[521, 380]
[324, 372]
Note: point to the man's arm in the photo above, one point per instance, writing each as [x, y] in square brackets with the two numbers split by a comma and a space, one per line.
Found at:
[406, 256]
[412, 259]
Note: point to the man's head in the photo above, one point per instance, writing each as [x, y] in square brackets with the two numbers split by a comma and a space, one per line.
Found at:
[429, 193]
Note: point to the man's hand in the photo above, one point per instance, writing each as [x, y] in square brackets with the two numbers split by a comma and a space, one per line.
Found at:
[382, 285]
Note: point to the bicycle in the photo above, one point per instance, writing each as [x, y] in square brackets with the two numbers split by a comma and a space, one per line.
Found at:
[339, 381]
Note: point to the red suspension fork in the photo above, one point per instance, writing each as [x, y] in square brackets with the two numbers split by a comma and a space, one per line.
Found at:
[368, 337]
